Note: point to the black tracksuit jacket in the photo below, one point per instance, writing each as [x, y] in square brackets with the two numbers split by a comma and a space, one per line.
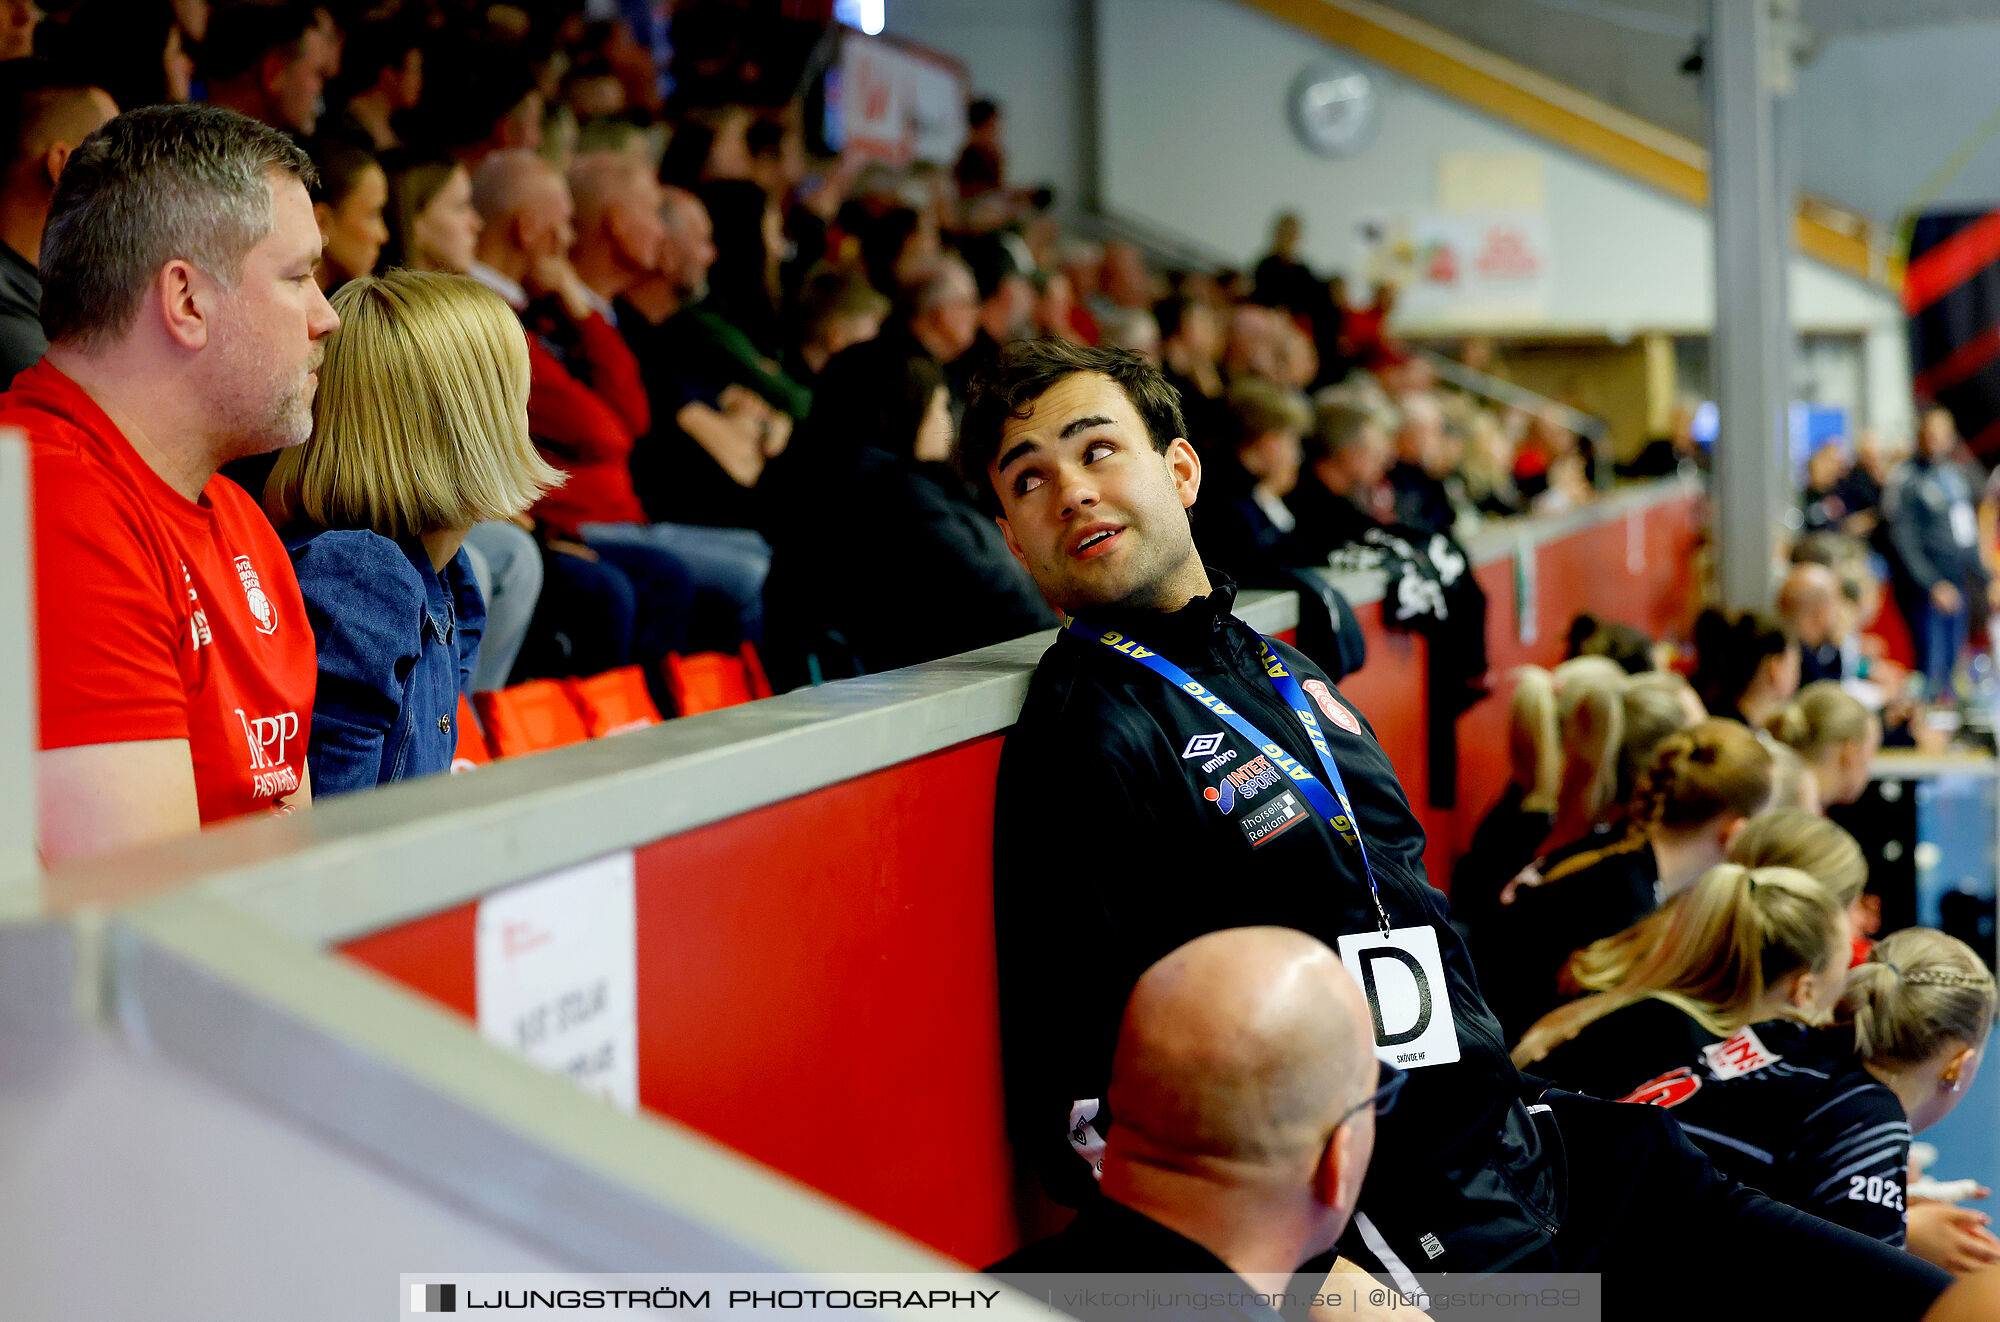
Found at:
[1108, 855]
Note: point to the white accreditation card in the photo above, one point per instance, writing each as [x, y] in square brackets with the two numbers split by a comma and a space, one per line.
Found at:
[1402, 975]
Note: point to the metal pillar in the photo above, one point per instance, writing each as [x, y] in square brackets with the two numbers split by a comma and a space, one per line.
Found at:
[20, 864]
[1752, 346]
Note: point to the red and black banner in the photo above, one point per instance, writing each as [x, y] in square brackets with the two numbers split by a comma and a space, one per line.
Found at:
[1951, 293]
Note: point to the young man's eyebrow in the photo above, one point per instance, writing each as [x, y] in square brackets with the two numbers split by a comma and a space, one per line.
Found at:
[1084, 424]
[1025, 447]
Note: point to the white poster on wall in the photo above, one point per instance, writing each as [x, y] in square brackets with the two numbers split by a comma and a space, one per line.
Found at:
[557, 975]
[1469, 264]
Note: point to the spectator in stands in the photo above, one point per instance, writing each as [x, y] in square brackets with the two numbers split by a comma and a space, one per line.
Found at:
[721, 410]
[1702, 785]
[268, 59]
[17, 28]
[1821, 1118]
[1933, 536]
[1835, 734]
[1815, 612]
[420, 433]
[1340, 495]
[1746, 665]
[941, 311]
[1246, 1097]
[433, 225]
[1006, 301]
[147, 65]
[348, 203]
[1281, 280]
[743, 278]
[381, 81]
[982, 162]
[44, 113]
[1190, 346]
[1422, 502]
[479, 98]
[176, 663]
[1742, 945]
[1860, 489]
[837, 310]
[587, 418]
[873, 486]
[1244, 527]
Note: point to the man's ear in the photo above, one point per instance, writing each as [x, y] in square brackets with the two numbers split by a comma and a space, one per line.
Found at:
[1331, 1170]
[1185, 465]
[185, 304]
[53, 161]
[1007, 536]
[271, 75]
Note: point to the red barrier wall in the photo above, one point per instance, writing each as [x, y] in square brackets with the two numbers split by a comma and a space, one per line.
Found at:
[816, 976]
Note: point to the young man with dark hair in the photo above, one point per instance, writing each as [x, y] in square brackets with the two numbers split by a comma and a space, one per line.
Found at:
[176, 663]
[1174, 773]
[45, 112]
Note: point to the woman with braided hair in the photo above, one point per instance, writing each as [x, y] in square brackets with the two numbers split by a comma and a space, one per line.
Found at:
[1701, 785]
[1741, 945]
[1821, 1118]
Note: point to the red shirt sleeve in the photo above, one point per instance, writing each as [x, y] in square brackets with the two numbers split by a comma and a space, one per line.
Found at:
[109, 613]
[606, 363]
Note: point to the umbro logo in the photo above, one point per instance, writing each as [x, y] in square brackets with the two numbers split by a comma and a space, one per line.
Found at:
[1202, 745]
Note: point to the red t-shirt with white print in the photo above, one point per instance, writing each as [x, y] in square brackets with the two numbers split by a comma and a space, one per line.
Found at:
[158, 617]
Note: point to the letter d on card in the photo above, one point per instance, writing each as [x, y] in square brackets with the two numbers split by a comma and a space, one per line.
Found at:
[1402, 975]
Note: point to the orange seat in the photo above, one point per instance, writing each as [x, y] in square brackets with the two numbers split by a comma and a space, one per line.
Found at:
[472, 750]
[530, 717]
[614, 702]
[709, 681]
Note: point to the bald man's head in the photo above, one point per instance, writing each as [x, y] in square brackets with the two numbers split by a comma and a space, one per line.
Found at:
[620, 218]
[1810, 601]
[1243, 1046]
[525, 207]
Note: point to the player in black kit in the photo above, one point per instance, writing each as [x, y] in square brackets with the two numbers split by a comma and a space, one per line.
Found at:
[1173, 773]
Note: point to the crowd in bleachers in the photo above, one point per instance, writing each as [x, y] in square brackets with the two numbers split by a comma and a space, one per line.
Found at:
[531, 357]
[745, 359]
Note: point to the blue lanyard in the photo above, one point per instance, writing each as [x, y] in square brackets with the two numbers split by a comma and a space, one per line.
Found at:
[1333, 807]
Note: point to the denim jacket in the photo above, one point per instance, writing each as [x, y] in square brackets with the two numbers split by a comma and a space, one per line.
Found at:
[397, 645]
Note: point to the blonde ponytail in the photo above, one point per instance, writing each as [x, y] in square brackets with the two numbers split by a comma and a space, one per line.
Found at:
[1790, 838]
[1564, 728]
[1712, 953]
[1918, 992]
[1820, 717]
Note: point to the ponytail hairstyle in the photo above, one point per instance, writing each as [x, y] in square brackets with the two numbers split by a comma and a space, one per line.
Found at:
[1564, 727]
[1821, 717]
[1721, 945]
[1918, 992]
[1788, 838]
[1792, 785]
[1656, 704]
[1728, 651]
[1698, 774]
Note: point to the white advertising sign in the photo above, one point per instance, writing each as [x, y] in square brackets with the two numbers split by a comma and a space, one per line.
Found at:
[557, 975]
[1463, 265]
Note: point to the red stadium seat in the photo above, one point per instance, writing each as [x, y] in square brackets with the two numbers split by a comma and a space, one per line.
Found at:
[530, 717]
[709, 681]
[614, 702]
[472, 750]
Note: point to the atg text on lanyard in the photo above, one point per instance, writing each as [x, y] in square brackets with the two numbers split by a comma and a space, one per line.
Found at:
[1332, 805]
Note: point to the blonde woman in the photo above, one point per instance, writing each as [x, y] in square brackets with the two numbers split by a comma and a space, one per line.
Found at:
[1781, 838]
[1834, 734]
[1702, 785]
[420, 430]
[1743, 945]
[1822, 1118]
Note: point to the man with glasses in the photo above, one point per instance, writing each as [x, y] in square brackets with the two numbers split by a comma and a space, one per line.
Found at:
[1246, 1092]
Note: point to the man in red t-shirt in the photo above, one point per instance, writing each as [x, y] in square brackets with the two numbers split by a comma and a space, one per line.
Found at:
[176, 665]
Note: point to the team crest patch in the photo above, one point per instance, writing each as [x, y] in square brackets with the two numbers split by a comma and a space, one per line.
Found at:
[253, 592]
[1332, 706]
